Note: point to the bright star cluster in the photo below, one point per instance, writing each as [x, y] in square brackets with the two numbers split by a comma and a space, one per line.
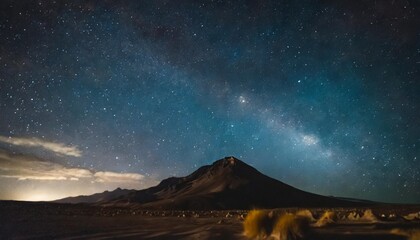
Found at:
[322, 95]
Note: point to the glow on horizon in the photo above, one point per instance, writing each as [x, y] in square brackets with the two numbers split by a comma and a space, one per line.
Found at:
[39, 196]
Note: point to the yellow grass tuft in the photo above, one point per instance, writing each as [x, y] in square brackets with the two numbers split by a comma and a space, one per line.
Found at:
[412, 216]
[369, 216]
[292, 227]
[411, 234]
[329, 217]
[306, 213]
[258, 224]
[353, 216]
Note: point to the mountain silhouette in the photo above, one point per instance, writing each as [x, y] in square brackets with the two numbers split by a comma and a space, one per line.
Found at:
[97, 197]
[228, 183]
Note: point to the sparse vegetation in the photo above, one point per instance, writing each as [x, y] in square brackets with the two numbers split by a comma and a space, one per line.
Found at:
[289, 224]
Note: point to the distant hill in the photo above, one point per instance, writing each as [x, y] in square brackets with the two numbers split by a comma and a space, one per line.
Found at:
[97, 197]
[228, 183]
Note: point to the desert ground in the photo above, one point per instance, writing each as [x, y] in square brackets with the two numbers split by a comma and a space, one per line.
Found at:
[28, 220]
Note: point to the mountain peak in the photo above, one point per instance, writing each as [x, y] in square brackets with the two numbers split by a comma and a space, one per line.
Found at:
[226, 162]
[231, 166]
[231, 160]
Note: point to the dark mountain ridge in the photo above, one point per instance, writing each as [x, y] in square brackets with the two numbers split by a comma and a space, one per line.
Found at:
[97, 197]
[228, 183]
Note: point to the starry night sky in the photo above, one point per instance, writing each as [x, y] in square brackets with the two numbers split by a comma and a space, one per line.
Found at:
[322, 95]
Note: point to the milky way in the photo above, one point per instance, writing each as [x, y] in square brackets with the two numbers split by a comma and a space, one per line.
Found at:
[318, 94]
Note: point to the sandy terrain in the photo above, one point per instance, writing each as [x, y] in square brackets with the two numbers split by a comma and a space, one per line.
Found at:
[20, 220]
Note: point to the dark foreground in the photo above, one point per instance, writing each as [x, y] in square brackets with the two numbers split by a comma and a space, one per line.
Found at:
[23, 220]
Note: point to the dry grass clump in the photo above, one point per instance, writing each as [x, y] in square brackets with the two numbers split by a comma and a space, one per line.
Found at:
[412, 216]
[411, 234]
[353, 216]
[258, 224]
[262, 224]
[329, 217]
[306, 213]
[369, 216]
[292, 227]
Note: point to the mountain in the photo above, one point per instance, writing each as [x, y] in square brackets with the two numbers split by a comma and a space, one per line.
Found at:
[228, 183]
[97, 197]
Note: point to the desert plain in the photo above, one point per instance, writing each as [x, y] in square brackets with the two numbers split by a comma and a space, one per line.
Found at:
[44, 220]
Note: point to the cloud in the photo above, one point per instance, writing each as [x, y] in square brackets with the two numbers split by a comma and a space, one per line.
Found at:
[117, 177]
[24, 167]
[58, 148]
[29, 178]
